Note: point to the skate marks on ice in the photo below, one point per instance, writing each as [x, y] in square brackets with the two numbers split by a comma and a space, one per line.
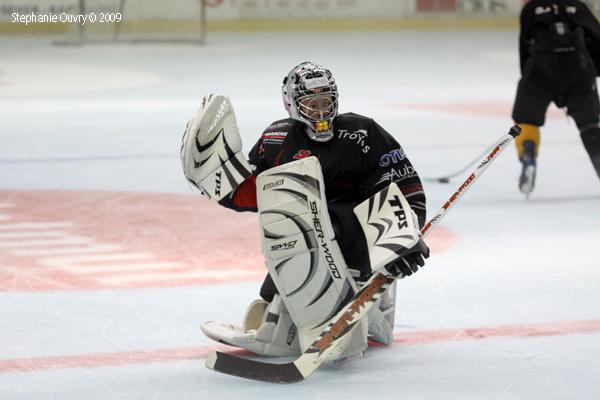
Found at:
[64, 240]
[416, 337]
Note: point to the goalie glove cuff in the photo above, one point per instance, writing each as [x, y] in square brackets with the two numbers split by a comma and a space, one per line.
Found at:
[410, 262]
[222, 181]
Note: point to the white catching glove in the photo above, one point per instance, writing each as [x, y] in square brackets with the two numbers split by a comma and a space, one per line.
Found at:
[211, 149]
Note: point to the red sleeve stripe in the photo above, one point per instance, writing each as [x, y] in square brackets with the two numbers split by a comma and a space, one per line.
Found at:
[407, 190]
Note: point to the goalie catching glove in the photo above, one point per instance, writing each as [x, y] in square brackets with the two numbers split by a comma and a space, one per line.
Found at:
[211, 149]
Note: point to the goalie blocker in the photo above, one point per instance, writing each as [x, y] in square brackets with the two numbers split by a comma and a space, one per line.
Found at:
[308, 269]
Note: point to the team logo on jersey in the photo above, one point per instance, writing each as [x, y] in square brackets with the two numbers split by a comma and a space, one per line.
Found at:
[393, 157]
[398, 174]
[302, 153]
[273, 137]
[278, 126]
[359, 137]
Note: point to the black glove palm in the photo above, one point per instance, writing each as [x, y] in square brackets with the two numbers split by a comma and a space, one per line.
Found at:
[410, 262]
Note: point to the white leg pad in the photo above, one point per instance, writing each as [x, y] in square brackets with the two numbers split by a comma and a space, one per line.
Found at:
[275, 333]
[298, 242]
[381, 317]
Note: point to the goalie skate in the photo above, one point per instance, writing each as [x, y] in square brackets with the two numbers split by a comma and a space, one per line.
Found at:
[267, 330]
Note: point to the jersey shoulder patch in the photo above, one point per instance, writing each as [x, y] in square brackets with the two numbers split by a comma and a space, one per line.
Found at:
[277, 131]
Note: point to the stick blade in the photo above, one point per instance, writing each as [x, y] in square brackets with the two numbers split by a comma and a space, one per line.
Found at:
[257, 370]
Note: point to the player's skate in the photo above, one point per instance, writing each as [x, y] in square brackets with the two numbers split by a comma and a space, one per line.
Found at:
[596, 163]
[527, 178]
[590, 136]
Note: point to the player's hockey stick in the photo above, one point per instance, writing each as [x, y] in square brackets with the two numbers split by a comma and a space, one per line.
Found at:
[347, 318]
[446, 178]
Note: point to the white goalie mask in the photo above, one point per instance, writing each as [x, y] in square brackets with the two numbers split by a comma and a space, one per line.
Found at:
[310, 95]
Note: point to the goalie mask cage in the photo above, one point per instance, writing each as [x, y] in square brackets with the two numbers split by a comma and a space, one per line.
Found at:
[138, 21]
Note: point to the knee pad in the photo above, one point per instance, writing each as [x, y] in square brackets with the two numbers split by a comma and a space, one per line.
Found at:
[528, 133]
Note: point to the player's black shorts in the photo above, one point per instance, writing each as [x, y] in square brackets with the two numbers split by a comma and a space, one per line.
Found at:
[567, 79]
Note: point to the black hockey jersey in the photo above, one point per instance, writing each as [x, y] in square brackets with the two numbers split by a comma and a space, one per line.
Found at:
[360, 160]
[538, 29]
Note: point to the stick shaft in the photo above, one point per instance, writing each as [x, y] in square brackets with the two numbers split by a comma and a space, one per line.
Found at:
[500, 145]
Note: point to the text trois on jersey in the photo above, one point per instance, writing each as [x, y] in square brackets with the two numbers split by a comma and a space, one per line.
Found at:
[359, 137]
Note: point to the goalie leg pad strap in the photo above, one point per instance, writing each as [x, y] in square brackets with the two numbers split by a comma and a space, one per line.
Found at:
[277, 334]
[254, 314]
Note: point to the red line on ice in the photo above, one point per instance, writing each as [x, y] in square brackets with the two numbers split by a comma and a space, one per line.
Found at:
[200, 352]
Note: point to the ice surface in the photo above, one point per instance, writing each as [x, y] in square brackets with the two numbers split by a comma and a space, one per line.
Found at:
[104, 118]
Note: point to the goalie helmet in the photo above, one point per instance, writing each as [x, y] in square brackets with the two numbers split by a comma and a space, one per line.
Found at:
[310, 95]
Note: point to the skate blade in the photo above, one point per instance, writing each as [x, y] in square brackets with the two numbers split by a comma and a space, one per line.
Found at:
[527, 181]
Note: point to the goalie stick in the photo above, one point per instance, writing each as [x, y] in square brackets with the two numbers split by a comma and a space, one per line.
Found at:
[347, 318]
